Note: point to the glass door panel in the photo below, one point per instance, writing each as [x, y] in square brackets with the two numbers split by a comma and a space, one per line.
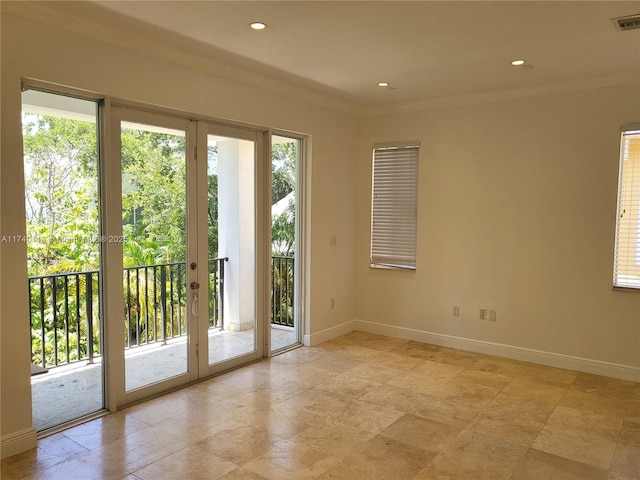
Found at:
[285, 153]
[231, 326]
[154, 253]
[231, 247]
[64, 246]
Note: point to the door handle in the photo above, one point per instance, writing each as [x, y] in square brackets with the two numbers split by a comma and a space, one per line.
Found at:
[195, 285]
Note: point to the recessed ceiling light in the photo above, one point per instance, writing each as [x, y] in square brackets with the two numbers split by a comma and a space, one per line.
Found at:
[258, 25]
[518, 63]
[383, 84]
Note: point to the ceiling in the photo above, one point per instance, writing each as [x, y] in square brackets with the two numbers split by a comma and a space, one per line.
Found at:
[427, 50]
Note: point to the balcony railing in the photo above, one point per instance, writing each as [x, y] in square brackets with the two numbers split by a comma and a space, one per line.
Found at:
[282, 293]
[64, 308]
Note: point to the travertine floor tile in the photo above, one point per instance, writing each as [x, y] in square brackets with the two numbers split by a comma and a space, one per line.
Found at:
[354, 352]
[348, 387]
[49, 452]
[580, 435]
[504, 366]
[453, 391]
[536, 389]
[381, 458]
[475, 456]
[373, 341]
[139, 449]
[337, 363]
[197, 424]
[242, 474]
[626, 460]
[306, 375]
[437, 354]
[487, 379]
[540, 465]
[313, 401]
[375, 372]
[424, 351]
[191, 463]
[423, 405]
[613, 475]
[246, 379]
[85, 466]
[590, 383]
[427, 370]
[279, 425]
[215, 394]
[273, 392]
[513, 417]
[364, 416]
[422, 433]
[630, 434]
[161, 408]
[394, 360]
[598, 403]
[337, 440]
[105, 430]
[291, 461]
[239, 445]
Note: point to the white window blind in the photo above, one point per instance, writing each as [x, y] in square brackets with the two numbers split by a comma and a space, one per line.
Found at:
[394, 205]
[626, 270]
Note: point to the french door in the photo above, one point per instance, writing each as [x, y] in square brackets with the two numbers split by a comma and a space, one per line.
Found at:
[186, 242]
[230, 176]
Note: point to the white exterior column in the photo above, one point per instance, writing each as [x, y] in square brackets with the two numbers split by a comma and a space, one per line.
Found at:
[236, 230]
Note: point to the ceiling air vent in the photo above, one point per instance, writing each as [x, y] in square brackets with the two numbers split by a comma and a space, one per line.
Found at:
[630, 22]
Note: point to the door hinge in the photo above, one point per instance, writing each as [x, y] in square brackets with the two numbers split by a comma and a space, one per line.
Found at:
[197, 350]
[195, 153]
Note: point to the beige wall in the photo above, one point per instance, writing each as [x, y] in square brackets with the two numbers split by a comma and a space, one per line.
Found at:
[517, 205]
[38, 51]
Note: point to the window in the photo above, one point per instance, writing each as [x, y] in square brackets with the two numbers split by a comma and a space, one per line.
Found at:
[394, 205]
[626, 269]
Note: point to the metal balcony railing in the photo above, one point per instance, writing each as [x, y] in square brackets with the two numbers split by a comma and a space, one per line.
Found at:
[63, 311]
[282, 291]
[64, 308]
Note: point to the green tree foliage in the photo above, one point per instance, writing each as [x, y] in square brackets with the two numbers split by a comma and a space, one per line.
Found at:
[154, 197]
[61, 194]
[212, 201]
[283, 177]
[283, 170]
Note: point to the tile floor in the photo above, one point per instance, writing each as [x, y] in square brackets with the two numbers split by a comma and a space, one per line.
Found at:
[367, 407]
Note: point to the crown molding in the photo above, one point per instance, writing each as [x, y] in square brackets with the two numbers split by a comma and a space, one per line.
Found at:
[503, 96]
[91, 20]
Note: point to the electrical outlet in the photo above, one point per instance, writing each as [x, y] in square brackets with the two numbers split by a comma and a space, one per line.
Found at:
[332, 304]
[483, 314]
[456, 310]
[492, 315]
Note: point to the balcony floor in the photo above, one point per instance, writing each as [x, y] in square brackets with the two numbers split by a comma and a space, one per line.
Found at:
[72, 391]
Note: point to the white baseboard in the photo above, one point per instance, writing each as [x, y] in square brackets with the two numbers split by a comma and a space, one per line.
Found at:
[587, 365]
[328, 333]
[18, 442]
